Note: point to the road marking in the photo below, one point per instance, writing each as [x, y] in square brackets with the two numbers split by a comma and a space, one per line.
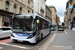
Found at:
[1, 47]
[16, 46]
[65, 47]
[46, 42]
[65, 32]
[55, 31]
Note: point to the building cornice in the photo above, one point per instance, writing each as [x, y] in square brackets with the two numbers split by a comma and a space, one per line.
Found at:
[52, 7]
[48, 8]
[20, 3]
[29, 7]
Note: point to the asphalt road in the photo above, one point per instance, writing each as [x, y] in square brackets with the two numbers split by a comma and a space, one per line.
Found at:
[23, 45]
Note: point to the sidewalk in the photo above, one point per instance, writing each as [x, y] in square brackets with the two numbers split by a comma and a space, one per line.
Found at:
[61, 41]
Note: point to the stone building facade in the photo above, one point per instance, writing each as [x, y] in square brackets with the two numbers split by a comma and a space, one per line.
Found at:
[70, 12]
[48, 14]
[39, 7]
[10, 7]
[57, 19]
[65, 18]
[53, 9]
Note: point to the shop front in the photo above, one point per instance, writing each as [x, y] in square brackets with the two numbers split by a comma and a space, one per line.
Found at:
[5, 17]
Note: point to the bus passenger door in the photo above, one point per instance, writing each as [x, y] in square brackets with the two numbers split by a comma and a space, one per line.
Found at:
[38, 30]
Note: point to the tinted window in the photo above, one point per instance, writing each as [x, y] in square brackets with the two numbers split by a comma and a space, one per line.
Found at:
[5, 29]
[62, 24]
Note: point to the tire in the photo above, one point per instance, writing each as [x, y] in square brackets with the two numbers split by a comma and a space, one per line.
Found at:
[50, 31]
[14, 41]
[41, 36]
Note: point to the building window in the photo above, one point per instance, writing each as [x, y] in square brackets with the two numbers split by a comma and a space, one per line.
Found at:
[6, 21]
[14, 9]
[7, 6]
[28, 11]
[20, 11]
[21, 1]
[28, 3]
[32, 11]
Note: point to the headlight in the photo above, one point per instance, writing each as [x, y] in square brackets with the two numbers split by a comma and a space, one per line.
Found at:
[12, 35]
[30, 37]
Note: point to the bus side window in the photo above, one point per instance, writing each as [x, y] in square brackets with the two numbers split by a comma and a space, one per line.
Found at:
[43, 25]
[49, 25]
[46, 24]
[40, 24]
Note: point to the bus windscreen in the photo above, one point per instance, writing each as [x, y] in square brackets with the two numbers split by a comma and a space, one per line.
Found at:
[24, 25]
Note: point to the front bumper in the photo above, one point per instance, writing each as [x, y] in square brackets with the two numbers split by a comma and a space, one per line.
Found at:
[32, 40]
[60, 28]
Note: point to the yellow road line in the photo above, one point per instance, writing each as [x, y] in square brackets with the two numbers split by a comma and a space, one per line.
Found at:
[64, 32]
[45, 43]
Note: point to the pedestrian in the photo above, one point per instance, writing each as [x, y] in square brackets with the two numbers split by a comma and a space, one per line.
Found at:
[6, 22]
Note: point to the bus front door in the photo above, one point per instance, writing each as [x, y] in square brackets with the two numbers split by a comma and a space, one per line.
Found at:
[38, 31]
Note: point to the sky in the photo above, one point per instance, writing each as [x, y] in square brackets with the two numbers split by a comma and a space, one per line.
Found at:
[60, 6]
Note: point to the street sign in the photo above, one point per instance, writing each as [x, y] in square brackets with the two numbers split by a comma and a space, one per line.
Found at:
[70, 7]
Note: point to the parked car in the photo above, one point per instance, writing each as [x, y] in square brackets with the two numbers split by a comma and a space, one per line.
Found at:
[5, 32]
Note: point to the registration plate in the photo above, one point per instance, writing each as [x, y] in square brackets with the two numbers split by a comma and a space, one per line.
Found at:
[20, 40]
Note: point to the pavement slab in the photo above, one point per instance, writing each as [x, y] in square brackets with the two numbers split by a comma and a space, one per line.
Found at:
[63, 41]
[55, 48]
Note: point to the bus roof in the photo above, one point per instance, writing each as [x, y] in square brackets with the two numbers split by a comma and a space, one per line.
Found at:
[31, 14]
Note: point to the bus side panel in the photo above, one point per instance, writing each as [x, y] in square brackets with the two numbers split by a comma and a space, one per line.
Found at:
[38, 34]
[45, 32]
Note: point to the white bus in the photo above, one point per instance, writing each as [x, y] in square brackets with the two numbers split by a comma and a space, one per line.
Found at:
[29, 27]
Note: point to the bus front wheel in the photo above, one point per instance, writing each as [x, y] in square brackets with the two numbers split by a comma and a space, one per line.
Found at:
[14, 41]
[50, 31]
[41, 36]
